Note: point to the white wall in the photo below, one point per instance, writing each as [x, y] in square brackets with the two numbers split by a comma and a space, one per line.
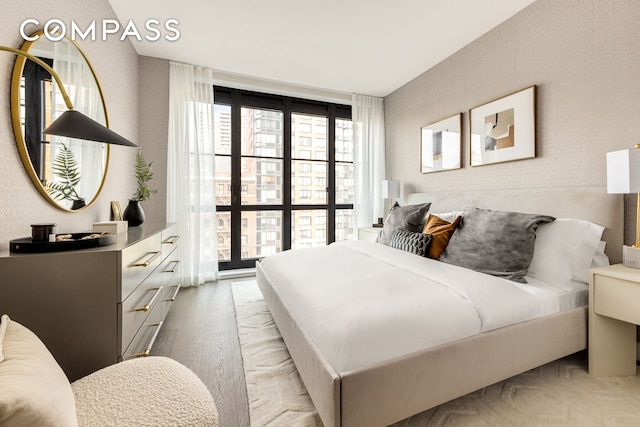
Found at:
[116, 65]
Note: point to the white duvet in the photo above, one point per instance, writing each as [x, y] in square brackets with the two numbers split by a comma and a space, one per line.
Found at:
[363, 303]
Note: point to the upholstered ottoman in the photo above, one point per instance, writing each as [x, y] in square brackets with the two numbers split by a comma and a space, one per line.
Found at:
[152, 391]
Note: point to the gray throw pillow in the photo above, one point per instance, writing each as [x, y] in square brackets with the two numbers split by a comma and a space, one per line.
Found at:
[410, 241]
[410, 218]
[495, 242]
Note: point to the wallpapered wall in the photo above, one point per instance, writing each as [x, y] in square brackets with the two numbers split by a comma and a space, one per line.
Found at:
[154, 128]
[584, 57]
[116, 65]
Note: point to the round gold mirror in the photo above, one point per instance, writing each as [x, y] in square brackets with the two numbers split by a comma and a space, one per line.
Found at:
[68, 172]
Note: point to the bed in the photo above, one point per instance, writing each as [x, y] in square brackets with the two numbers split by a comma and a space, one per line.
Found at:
[374, 344]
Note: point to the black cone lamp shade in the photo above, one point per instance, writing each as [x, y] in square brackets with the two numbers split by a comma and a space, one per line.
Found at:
[74, 124]
[71, 123]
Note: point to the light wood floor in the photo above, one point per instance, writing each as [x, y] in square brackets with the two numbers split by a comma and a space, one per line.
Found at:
[201, 332]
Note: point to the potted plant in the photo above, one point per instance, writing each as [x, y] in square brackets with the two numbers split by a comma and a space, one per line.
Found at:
[133, 213]
[65, 166]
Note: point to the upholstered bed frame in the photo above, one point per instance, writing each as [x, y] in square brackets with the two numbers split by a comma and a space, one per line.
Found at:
[401, 387]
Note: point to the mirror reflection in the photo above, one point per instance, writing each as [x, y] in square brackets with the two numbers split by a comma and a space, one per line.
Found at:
[68, 172]
[440, 145]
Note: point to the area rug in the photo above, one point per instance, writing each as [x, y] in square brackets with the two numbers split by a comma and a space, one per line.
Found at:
[560, 393]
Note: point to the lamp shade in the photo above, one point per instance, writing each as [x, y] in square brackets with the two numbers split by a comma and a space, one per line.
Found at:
[623, 171]
[390, 189]
[74, 124]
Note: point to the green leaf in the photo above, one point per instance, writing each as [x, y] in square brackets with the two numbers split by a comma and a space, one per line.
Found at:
[65, 166]
[143, 175]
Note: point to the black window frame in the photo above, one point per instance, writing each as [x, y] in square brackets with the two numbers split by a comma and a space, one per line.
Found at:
[239, 98]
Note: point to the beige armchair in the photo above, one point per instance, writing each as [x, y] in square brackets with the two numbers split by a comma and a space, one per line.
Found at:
[152, 391]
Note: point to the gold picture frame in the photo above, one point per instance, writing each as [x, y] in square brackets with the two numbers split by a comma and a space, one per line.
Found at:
[441, 145]
[503, 130]
[116, 211]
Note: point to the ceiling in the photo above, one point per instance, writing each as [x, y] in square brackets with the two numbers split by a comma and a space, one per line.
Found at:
[346, 46]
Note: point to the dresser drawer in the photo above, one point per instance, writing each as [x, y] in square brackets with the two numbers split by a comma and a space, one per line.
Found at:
[138, 262]
[617, 298]
[137, 307]
[170, 284]
[170, 240]
[144, 339]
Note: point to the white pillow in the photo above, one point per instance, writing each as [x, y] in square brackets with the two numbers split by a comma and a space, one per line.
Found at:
[600, 259]
[449, 216]
[564, 251]
[34, 391]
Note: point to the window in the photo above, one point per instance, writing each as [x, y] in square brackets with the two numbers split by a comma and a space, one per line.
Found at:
[304, 180]
[284, 185]
[305, 194]
[305, 234]
[304, 167]
[305, 220]
[304, 154]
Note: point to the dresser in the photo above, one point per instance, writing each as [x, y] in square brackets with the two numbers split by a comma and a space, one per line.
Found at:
[95, 307]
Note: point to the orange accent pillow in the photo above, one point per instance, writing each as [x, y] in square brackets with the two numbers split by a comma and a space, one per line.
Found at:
[441, 231]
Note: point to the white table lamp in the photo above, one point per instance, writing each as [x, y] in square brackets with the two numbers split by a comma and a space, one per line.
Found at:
[390, 190]
[623, 177]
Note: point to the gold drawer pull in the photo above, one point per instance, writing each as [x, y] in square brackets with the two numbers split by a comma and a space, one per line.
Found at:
[149, 260]
[173, 268]
[148, 305]
[171, 240]
[147, 351]
[175, 294]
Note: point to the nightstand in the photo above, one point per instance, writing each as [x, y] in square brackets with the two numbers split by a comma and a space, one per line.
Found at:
[369, 233]
[614, 312]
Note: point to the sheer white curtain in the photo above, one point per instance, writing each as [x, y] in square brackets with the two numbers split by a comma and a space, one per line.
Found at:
[191, 170]
[368, 133]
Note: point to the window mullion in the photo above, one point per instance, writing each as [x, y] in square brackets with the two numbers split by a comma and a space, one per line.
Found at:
[331, 184]
[236, 178]
[286, 178]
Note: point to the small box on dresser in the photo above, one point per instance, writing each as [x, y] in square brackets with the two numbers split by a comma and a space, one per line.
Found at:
[114, 227]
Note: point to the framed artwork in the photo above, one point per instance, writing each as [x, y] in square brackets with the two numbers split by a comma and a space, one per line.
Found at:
[441, 145]
[504, 130]
[116, 211]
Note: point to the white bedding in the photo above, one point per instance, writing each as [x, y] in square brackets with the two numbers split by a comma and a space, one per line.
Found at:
[360, 311]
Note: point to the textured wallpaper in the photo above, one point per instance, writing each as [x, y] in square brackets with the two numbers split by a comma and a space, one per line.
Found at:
[154, 128]
[584, 57]
[116, 65]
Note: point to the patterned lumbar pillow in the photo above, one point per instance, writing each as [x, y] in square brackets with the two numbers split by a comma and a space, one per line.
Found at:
[410, 241]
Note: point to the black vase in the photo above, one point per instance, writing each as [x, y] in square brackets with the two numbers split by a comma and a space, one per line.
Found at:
[133, 213]
[77, 204]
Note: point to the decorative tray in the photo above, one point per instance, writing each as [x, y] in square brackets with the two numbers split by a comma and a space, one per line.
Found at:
[64, 242]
